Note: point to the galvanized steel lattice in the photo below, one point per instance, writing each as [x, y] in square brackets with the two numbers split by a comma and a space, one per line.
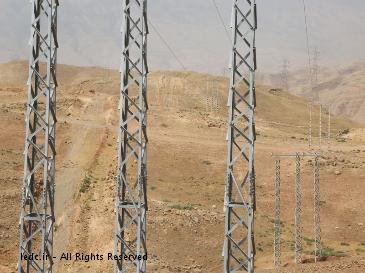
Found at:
[38, 189]
[239, 246]
[131, 201]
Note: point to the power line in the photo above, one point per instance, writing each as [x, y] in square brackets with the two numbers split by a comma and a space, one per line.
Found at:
[167, 45]
[221, 20]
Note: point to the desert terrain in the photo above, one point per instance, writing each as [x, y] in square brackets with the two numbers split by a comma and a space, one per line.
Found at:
[186, 170]
[340, 87]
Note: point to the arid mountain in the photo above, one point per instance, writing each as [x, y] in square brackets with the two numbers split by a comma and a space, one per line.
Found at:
[186, 173]
[342, 89]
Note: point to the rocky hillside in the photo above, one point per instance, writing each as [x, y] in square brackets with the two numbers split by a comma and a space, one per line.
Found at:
[343, 88]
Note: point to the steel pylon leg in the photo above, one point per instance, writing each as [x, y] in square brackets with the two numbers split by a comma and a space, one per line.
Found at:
[277, 221]
[38, 189]
[239, 246]
[298, 211]
[317, 210]
[131, 201]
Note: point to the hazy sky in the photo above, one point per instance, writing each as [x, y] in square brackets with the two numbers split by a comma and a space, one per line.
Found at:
[89, 32]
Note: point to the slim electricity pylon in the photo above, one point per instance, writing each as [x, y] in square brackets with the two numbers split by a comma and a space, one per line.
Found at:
[277, 223]
[38, 190]
[329, 127]
[315, 66]
[131, 201]
[314, 74]
[239, 246]
[298, 211]
[320, 126]
[211, 99]
[317, 210]
[208, 97]
[310, 123]
[285, 75]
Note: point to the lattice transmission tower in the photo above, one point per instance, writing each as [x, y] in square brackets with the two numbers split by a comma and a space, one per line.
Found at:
[277, 221]
[315, 71]
[320, 126]
[38, 190]
[239, 246]
[317, 210]
[131, 201]
[329, 128]
[310, 129]
[284, 75]
[298, 211]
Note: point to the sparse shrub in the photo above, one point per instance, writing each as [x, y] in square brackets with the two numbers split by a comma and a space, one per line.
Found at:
[309, 241]
[331, 252]
[85, 184]
[207, 162]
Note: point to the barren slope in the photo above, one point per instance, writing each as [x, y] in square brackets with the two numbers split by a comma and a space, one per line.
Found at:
[342, 88]
[186, 173]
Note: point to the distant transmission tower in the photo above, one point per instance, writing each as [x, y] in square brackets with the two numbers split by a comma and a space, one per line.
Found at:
[315, 71]
[215, 95]
[207, 97]
[329, 127]
[216, 100]
[131, 201]
[211, 99]
[239, 246]
[284, 75]
[320, 126]
[310, 124]
[38, 191]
